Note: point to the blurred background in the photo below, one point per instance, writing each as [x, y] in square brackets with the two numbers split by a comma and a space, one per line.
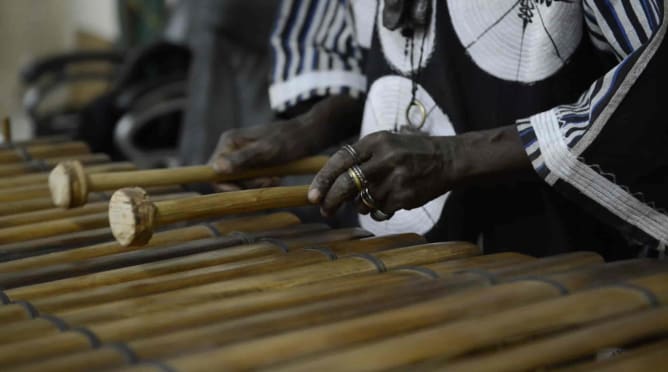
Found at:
[150, 81]
[36, 28]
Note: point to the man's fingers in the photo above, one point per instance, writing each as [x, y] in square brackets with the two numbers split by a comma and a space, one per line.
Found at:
[361, 207]
[246, 157]
[335, 166]
[343, 189]
[385, 195]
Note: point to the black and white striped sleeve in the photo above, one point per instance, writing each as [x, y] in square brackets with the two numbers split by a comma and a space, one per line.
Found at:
[315, 52]
[609, 149]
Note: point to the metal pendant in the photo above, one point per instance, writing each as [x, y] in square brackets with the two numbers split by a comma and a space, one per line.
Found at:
[416, 117]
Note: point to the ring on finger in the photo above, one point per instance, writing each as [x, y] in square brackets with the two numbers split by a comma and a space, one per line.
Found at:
[355, 173]
[380, 216]
[352, 152]
[367, 199]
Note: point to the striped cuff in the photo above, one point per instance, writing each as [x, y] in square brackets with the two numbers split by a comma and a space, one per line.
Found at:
[285, 94]
[554, 161]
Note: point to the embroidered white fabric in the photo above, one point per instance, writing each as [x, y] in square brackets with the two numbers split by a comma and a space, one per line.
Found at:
[523, 41]
[386, 104]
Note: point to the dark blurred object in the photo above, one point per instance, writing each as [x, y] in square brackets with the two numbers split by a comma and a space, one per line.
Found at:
[229, 78]
[47, 80]
[216, 49]
[60, 86]
[139, 82]
[139, 118]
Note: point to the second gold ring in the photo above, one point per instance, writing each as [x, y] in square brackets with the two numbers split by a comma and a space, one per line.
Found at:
[367, 199]
[358, 178]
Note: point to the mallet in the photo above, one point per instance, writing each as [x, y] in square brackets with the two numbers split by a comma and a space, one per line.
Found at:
[70, 183]
[133, 216]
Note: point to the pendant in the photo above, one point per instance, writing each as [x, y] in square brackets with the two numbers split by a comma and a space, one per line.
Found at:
[416, 117]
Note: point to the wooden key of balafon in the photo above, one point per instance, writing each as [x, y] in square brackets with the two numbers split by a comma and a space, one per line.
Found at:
[27, 153]
[133, 216]
[70, 183]
[47, 164]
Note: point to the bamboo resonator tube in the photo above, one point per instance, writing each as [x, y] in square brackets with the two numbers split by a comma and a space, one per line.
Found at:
[70, 183]
[133, 216]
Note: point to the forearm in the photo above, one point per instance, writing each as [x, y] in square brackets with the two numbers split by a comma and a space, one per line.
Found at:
[331, 121]
[488, 155]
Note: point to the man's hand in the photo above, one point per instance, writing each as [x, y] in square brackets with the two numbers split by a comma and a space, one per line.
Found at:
[405, 171]
[328, 122]
[258, 146]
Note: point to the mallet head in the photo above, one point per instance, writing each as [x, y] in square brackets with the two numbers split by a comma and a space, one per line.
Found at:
[131, 216]
[68, 184]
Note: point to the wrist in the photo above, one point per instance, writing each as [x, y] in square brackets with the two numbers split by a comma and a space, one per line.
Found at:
[331, 121]
[483, 156]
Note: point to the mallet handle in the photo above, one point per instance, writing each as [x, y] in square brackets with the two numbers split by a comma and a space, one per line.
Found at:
[196, 174]
[221, 204]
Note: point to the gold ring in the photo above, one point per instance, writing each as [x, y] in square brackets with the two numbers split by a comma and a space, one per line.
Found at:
[423, 112]
[367, 199]
[356, 180]
[352, 152]
[380, 216]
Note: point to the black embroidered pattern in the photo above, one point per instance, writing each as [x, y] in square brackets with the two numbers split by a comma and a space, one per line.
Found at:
[526, 12]
[527, 7]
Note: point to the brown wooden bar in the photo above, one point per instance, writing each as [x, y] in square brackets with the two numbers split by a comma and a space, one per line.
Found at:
[39, 151]
[173, 236]
[27, 218]
[643, 358]
[190, 249]
[621, 330]
[317, 272]
[236, 328]
[70, 183]
[46, 164]
[392, 308]
[239, 306]
[25, 330]
[60, 243]
[26, 192]
[211, 309]
[318, 312]
[440, 309]
[455, 339]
